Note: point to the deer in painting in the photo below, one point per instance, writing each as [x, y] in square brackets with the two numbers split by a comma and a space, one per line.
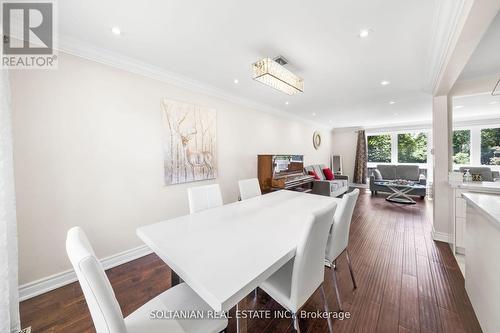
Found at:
[195, 159]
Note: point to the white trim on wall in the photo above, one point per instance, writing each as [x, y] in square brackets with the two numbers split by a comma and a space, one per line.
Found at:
[46, 284]
[441, 236]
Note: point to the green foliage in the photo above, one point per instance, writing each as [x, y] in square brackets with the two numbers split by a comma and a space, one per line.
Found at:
[461, 146]
[490, 146]
[412, 148]
[461, 158]
[379, 148]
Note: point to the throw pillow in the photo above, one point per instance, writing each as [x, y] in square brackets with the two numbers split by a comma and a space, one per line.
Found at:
[312, 173]
[377, 174]
[328, 174]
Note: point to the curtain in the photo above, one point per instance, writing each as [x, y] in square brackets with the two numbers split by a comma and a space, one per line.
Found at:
[9, 297]
[360, 164]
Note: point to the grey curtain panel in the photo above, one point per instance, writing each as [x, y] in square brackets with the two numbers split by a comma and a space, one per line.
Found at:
[360, 165]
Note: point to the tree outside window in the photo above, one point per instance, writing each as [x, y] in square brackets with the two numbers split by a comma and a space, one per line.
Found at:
[490, 146]
[379, 148]
[412, 148]
[461, 147]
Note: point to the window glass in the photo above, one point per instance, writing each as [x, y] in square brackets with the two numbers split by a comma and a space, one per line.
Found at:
[490, 146]
[412, 148]
[379, 148]
[461, 147]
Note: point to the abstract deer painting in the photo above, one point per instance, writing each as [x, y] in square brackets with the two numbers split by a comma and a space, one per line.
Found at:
[189, 142]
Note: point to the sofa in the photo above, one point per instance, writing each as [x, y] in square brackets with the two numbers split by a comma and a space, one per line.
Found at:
[484, 172]
[322, 186]
[395, 172]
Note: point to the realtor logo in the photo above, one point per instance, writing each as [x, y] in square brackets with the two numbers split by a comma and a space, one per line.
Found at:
[28, 35]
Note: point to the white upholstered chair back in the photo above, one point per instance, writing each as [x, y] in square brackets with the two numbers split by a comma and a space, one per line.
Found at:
[308, 267]
[339, 236]
[100, 297]
[204, 197]
[249, 188]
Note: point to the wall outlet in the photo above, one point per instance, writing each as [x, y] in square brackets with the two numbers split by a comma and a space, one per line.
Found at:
[26, 330]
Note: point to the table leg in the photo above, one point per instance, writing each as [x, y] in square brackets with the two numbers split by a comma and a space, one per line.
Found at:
[400, 195]
[241, 323]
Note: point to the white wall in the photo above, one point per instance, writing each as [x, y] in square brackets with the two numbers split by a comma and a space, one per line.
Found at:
[344, 141]
[87, 145]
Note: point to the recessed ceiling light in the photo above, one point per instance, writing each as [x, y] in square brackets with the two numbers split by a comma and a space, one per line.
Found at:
[458, 107]
[392, 102]
[116, 31]
[364, 33]
[384, 83]
[287, 102]
[396, 114]
[236, 81]
[494, 102]
[314, 114]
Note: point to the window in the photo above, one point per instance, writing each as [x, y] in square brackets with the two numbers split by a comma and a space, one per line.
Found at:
[461, 146]
[379, 148]
[490, 146]
[412, 148]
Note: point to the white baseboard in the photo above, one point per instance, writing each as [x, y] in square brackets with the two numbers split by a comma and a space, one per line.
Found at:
[441, 236]
[41, 286]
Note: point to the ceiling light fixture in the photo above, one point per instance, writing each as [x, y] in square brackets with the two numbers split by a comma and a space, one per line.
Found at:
[116, 31]
[314, 114]
[287, 102]
[364, 33]
[272, 73]
[392, 102]
[385, 83]
[236, 81]
[396, 114]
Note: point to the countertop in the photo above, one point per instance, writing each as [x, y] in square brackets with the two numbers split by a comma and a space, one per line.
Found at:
[487, 204]
[489, 187]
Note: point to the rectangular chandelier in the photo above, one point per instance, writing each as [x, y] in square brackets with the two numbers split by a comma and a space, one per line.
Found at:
[275, 75]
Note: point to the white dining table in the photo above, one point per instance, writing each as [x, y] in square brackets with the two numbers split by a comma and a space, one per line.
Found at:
[224, 253]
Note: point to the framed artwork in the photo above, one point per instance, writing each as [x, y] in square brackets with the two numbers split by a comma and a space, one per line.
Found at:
[189, 142]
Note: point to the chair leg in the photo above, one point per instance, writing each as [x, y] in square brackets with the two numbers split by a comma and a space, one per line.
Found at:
[337, 292]
[327, 309]
[295, 320]
[350, 269]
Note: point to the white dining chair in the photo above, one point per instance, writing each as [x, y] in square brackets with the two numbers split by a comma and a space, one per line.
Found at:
[249, 188]
[294, 283]
[339, 238]
[204, 197]
[104, 307]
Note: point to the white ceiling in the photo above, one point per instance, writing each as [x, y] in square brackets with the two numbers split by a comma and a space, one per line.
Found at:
[486, 59]
[483, 106]
[214, 42]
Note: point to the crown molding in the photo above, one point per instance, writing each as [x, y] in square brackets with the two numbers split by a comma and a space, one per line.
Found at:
[87, 51]
[446, 29]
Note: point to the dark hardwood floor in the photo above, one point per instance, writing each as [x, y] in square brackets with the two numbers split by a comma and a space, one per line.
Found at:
[406, 283]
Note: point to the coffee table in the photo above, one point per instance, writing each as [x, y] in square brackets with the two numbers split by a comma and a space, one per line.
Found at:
[400, 191]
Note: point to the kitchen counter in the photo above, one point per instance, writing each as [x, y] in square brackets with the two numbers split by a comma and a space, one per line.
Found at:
[482, 267]
[486, 187]
[487, 204]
